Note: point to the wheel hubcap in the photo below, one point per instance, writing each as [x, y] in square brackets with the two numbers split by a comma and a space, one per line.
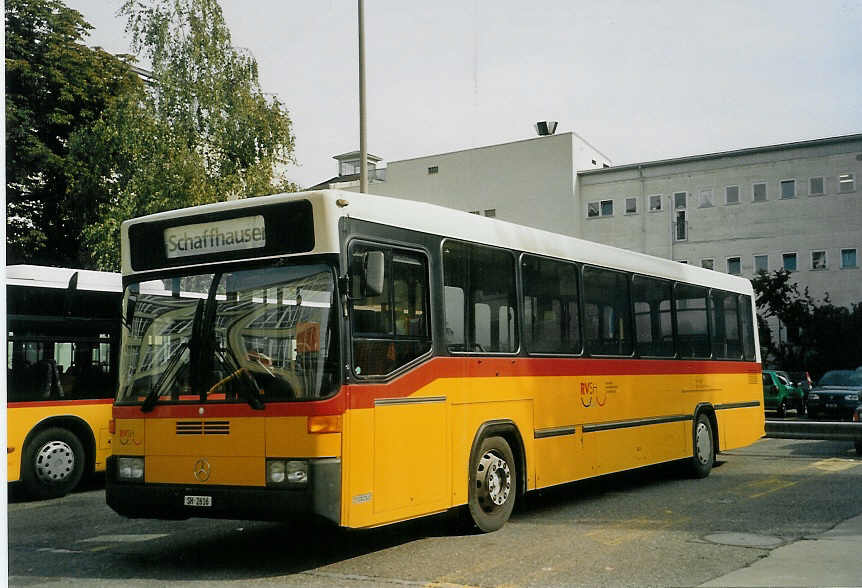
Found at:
[493, 481]
[704, 444]
[55, 462]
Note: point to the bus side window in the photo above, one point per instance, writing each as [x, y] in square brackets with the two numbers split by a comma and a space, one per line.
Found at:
[692, 321]
[746, 327]
[652, 304]
[607, 312]
[390, 329]
[485, 278]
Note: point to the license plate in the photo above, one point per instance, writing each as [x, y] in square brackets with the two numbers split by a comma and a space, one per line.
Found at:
[831, 405]
[198, 501]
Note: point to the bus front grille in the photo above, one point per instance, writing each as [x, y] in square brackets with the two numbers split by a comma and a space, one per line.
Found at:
[203, 427]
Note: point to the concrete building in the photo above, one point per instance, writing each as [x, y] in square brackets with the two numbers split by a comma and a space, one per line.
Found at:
[795, 205]
[529, 182]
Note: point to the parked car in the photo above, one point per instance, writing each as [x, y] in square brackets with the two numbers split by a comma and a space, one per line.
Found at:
[780, 395]
[836, 395]
[857, 418]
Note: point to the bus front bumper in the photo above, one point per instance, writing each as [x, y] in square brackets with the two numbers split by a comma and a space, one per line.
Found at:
[320, 497]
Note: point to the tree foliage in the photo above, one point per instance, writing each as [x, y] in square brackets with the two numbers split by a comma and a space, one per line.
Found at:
[89, 145]
[204, 131]
[55, 87]
[819, 335]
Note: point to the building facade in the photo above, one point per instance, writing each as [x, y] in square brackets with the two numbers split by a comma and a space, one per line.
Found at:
[796, 206]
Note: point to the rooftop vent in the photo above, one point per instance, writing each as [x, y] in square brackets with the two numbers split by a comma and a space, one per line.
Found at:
[545, 127]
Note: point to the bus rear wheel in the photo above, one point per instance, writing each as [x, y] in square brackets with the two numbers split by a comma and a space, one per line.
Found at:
[493, 484]
[704, 448]
[52, 463]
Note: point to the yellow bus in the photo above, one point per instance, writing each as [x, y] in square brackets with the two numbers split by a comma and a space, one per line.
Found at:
[368, 360]
[62, 347]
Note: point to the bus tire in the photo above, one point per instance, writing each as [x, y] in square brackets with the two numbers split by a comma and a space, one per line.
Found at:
[704, 447]
[52, 463]
[493, 484]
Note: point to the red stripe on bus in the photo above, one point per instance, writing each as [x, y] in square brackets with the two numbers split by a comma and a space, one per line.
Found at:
[40, 403]
[362, 395]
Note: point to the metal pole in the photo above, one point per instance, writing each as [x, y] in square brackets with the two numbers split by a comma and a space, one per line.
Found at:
[363, 147]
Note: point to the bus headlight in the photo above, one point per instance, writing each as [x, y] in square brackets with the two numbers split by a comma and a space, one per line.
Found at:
[130, 469]
[283, 472]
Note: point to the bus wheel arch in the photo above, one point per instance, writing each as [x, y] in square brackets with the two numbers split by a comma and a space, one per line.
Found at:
[67, 434]
[496, 474]
[704, 441]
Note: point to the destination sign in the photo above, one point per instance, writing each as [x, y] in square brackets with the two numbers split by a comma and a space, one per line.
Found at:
[235, 234]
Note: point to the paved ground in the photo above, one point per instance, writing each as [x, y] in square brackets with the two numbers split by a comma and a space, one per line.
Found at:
[763, 509]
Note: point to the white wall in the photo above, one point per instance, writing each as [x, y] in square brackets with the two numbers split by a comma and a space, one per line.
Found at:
[530, 182]
[803, 224]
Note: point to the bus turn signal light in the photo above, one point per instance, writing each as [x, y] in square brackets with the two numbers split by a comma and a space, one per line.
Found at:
[324, 424]
[112, 426]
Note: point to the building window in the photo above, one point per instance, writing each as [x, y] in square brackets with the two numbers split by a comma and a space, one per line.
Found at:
[758, 192]
[684, 261]
[818, 260]
[491, 212]
[734, 266]
[731, 195]
[706, 198]
[679, 200]
[433, 169]
[788, 189]
[788, 261]
[680, 232]
[815, 186]
[846, 183]
[848, 258]
[655, 202]
[761, 263]
[600, 208]
[475, 212]
[707, 264]
[632, 205]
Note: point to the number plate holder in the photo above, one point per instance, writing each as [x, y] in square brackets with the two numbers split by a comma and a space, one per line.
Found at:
[200, 501]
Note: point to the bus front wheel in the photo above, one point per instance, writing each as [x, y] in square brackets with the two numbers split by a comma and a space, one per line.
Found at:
[704, 447]
[493, 484]
[53, 463]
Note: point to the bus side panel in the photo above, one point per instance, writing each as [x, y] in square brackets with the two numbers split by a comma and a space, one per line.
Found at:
[21, 419]
[410, 455]
[559, 444]
[468, 418]
[357, 481]
[742, 426]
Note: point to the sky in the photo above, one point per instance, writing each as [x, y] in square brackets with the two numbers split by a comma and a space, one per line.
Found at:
[639, 80]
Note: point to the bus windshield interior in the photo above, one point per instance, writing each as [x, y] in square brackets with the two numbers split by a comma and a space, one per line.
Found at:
[257, 335]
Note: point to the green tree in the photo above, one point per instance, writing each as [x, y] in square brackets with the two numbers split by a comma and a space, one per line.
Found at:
[204, 132]
[820, 335]
[55, 86]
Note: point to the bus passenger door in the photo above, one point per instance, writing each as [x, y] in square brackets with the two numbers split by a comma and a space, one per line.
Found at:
[391, 339]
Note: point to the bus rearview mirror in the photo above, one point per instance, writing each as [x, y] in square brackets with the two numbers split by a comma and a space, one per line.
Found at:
[373, 274]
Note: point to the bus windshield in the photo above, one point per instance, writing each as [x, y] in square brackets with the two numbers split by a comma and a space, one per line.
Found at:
[257, 335]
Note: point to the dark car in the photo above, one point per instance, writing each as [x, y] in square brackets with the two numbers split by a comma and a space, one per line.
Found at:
[836, 395]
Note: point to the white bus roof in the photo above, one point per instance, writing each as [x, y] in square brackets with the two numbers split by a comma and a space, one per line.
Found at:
[329, 205]
[41, 276]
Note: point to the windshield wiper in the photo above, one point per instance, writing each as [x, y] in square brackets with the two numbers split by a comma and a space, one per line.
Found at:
[155, 391]
[250, 388]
